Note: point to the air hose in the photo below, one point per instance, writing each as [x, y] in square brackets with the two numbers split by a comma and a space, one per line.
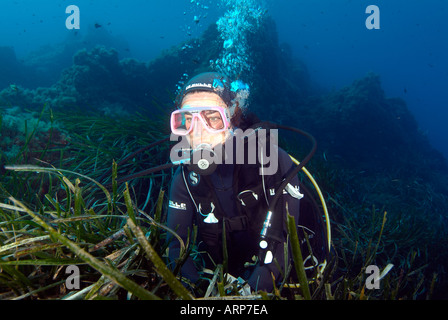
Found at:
[266, 240]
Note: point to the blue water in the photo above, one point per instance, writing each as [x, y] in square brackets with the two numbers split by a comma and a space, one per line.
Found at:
[408, 51]
[147, 26]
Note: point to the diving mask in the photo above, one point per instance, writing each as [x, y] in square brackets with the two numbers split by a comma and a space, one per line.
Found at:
[214, 119]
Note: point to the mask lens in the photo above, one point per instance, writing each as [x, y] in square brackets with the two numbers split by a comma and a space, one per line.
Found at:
[181, 122]
[213, 119]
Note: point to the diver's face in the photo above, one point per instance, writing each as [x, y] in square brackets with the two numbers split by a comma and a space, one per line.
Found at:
[199, 135]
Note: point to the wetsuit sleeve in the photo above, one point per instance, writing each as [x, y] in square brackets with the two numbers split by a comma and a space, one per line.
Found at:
[261, 278]
[180, 219]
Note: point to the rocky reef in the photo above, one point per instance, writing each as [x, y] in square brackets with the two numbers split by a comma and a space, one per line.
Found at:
[24, 135]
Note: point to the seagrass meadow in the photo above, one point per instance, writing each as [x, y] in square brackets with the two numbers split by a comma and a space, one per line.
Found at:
[65, 201]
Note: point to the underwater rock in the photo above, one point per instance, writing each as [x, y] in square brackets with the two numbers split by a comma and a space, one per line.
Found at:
[359, 128]
[14, 95]
[280, 83]
[96, 76]
[9, 66]
[96, 79]
[43, 67]
[359, 120]
[20, 127]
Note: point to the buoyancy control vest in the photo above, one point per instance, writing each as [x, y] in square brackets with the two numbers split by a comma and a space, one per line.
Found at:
[215, 224]
[252, 193]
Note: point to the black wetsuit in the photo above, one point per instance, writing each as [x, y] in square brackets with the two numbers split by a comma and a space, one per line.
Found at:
[241, 245]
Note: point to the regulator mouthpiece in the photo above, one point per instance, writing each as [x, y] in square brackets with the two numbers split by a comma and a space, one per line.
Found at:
[203, 160]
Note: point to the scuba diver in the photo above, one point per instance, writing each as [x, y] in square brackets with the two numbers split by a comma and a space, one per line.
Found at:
[228, 187]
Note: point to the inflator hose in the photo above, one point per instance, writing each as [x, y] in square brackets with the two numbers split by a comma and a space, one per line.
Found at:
[267, 241]
[146, 172]
[294, 170]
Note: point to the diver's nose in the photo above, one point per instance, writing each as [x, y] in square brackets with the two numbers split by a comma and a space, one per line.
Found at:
[198, 128]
